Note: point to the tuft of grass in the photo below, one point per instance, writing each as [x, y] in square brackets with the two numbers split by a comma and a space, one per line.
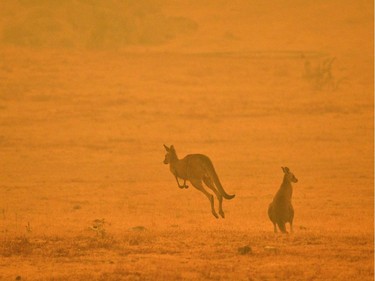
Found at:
[19, 246]
[244, 250]
[320, 74]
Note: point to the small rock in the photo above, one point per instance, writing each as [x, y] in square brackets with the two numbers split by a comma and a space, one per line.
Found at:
[244, 250]
[138, 228]
[18, 278]
[98, 222]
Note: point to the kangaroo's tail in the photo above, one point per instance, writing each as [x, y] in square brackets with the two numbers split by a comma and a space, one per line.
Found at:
[282, 226]
[216, 180]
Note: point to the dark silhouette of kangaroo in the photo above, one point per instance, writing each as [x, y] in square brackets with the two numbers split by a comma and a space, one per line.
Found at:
[197, 168]
[281, 211]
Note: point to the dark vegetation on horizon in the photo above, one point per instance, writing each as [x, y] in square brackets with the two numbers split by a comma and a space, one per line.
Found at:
[88, 24]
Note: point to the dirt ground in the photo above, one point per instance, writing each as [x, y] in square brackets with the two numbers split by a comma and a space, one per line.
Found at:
[84, 194]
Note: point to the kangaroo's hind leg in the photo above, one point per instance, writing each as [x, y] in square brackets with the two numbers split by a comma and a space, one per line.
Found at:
[271, 215]
[198, 185]
[211, 186]
[274, 228]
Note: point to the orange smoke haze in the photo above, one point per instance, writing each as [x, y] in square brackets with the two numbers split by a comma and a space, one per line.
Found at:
[90, 91]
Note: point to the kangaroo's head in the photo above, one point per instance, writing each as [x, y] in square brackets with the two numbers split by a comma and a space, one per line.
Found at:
[288, 175]
[170, 155]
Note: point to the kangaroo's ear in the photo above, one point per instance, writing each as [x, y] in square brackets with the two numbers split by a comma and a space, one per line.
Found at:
[285, 170]
[166, 148]
[172, 147]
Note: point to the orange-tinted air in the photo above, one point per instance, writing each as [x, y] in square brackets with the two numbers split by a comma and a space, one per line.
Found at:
[91, 90]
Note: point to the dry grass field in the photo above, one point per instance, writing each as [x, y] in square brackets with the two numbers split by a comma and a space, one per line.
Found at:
[84, 194]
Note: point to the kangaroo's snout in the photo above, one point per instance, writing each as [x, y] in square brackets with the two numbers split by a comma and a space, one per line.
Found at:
[294, 179]
[166, 159]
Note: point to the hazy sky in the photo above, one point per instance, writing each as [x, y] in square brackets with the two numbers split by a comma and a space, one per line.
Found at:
[190, 26]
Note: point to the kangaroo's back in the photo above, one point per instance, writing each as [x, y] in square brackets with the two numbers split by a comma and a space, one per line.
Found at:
[199, 165]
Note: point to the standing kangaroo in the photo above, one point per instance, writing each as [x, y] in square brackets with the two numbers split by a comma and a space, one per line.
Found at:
[281, 211]
[197, 168]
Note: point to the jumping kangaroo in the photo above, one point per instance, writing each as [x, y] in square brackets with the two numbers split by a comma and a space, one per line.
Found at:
[197, 168]
[281, 211]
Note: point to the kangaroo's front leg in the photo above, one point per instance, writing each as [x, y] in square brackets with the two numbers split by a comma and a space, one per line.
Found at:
[185, 185]
[181, 186]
